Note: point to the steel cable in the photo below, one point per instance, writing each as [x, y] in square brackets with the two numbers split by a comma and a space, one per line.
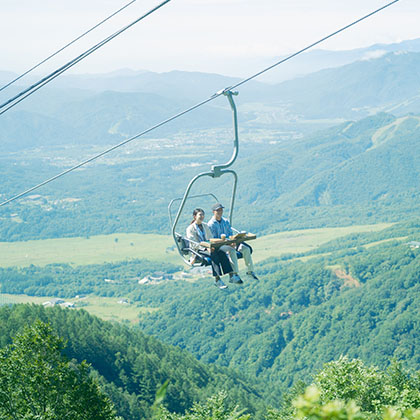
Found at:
[30, 90]
[66, 46]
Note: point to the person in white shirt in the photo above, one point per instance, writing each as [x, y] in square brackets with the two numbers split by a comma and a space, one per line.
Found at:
[197, 232]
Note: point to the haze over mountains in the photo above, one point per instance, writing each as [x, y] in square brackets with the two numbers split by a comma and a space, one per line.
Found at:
[288, 165]
[109, 107]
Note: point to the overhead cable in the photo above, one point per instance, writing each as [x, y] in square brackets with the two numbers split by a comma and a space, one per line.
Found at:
[30, 90]
[313, 45]
[67, 45]
[216, 95]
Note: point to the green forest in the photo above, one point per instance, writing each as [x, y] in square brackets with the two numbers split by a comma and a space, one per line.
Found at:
[254, 347]
[56, 363]
[368, 174]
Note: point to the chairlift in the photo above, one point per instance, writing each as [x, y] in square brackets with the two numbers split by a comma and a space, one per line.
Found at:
[181, 242]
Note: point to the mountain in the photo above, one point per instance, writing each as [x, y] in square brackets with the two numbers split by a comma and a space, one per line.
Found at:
[102, 118]
[309, 62]
[123, 115]
[174, 84]
[24, 130]
[111, 107]
[319, 59]
[355, 171]
[358, 172]
[389, 83]
[360, 298]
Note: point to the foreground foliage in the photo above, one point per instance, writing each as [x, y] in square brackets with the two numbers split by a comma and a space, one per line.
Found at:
[38, 382]
[215, 408]
[349, 389]
[344, 390]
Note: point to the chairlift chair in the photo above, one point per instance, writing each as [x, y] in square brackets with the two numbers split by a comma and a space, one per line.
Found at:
[181, 242]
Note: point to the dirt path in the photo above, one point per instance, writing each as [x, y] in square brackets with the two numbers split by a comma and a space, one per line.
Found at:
[348, 279]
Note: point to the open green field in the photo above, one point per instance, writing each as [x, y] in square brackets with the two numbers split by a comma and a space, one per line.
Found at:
[119, 247]
[108, 309]
[304, 240]
[82, 251]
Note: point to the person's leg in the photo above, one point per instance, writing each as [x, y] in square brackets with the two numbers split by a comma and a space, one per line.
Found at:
[224, 262]
[231, 252]
[214, 264]
[246, 252]
[217, 266]
[227, 268]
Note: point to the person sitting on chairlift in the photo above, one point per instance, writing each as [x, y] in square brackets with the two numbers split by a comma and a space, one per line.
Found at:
[197, 232]
[220, 228]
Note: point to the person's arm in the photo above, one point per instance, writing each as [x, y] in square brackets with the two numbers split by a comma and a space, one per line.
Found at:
[229, 231]
[208, 230]
[213, 228]
[192, 236]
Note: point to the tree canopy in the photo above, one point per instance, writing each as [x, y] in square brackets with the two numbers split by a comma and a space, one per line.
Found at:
[38, 382]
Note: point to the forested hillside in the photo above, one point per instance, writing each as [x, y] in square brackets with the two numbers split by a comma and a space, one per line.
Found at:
[131, 366]
[356, 173]
[360, 301]
[356, 296]
[364, 170]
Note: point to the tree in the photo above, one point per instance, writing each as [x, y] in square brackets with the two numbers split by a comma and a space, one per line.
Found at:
[348, 390]
[370, 388]
[38, 382]
[309, 406]
[215, 408]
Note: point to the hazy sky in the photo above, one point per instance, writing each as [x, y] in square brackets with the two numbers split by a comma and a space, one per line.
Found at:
[222, 36]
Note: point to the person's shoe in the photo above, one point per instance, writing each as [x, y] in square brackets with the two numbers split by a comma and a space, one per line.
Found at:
[235, 279]
[252, 275]
[219, 283]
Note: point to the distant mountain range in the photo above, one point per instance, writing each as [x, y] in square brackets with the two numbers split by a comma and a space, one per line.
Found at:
[390, 83]
[308, 62]
[319, 59]
[111, 107]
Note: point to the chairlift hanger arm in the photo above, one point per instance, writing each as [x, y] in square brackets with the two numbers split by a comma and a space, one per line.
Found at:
[219, 169]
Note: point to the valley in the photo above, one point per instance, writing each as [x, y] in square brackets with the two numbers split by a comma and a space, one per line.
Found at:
[328, 180]
[123, 247]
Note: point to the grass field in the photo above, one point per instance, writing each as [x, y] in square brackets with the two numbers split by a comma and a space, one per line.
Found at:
[81, 251]
[112, 248]
[304, 240]
[119, 247]
[106, 308]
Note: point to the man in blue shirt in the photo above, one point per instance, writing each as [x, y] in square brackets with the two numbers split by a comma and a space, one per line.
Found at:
[220, 226]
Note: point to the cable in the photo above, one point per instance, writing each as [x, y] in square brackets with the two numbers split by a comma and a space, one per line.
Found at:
[312, 45]
[216, 95]
[67, 45]
[30, 90]
[110, 149]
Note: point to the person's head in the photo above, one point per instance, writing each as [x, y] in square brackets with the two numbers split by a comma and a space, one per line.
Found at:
[217, 211]
[198, 216]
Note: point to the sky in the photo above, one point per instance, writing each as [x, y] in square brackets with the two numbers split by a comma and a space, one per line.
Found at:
[232, 37]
